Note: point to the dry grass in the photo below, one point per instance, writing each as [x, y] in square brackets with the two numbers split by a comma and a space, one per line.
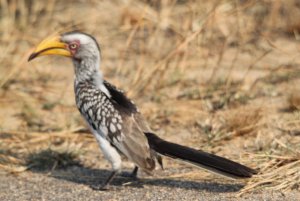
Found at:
[241, 122]
[216, 70]
[279, 169]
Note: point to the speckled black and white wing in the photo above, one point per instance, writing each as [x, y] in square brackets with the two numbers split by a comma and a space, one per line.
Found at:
[127, 106]
[113, 116]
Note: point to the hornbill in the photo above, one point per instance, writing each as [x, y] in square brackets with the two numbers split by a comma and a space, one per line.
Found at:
[116, 122]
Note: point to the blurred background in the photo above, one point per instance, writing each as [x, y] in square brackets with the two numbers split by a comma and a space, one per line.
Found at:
[218, 75]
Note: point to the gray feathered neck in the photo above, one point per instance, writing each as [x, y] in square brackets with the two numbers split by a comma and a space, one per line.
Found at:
[87, 70]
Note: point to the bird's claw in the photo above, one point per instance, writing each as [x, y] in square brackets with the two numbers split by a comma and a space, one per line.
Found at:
[129, 175]
[101, 187]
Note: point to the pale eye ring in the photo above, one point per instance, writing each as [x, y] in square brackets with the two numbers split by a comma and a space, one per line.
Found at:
[73, 46]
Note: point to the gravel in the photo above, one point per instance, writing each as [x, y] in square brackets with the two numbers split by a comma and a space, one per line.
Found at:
[74, 184]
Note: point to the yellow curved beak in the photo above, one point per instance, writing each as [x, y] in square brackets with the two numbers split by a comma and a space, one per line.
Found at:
[50, 46]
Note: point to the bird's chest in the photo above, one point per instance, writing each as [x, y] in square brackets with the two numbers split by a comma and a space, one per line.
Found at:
[98, 110]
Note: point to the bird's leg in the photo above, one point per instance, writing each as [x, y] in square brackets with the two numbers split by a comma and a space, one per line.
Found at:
[112, 155]
[132, 174]
[106, 184]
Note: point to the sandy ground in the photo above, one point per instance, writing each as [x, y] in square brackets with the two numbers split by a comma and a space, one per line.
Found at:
[74, 183]
[38, 99]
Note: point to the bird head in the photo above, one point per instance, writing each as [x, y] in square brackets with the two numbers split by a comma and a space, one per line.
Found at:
[75, 44]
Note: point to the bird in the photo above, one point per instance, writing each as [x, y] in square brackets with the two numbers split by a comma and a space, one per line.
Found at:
[115, 121]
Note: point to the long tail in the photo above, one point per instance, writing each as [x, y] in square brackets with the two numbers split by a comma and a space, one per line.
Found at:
[199, 158]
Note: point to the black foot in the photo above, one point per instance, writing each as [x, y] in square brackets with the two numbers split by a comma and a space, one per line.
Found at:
[102, 187]
[106, 185]
[128, 175]
[132, 174]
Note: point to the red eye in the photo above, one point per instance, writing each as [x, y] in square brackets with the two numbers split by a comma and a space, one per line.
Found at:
[73, 46]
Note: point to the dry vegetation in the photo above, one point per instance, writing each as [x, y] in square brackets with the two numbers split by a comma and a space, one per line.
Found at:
[224, 75]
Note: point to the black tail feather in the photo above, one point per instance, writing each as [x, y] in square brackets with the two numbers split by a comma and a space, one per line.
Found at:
[199, 158]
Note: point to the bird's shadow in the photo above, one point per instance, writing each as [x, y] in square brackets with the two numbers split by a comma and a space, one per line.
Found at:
[90, 177]
[77, 173]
